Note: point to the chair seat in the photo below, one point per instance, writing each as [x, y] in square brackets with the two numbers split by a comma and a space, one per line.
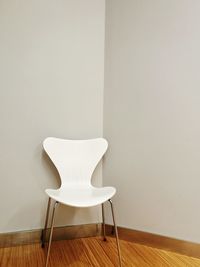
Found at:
[81, 196]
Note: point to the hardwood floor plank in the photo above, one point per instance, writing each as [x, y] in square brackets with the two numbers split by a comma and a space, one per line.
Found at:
[93, 252]
[69, 253]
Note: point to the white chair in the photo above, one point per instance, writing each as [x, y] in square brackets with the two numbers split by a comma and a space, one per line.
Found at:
[75, 161]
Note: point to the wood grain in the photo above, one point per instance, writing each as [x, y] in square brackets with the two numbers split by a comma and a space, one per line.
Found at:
[59, 233]
[86, 252]
[157, 241]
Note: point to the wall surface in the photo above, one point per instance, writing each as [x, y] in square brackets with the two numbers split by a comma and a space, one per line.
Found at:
[51, 84]
[151, 114]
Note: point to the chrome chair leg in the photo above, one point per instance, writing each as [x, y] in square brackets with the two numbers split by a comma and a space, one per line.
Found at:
[116, 233]
[51, 233]
[103, 219]
[43, 236]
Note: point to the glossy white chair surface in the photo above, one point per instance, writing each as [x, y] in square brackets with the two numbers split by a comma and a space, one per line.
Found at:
[75, 161]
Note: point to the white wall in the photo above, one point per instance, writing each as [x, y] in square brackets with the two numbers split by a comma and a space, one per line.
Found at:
[51, 84]
[151, 114]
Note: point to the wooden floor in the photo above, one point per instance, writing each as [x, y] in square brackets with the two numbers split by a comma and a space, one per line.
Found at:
[92, 252]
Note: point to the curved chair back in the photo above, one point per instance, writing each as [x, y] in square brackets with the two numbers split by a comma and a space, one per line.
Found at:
[75, 160]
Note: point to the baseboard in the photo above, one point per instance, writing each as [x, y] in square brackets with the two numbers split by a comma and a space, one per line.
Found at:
[91, 230]
[157, 241]
[60, 233]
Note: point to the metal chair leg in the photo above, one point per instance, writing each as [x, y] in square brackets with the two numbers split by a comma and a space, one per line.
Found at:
[116, 233]
[51, 233]
[103, 219]
[43, 236]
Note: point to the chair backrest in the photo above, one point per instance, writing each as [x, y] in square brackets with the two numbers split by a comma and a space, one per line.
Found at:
[75, 160]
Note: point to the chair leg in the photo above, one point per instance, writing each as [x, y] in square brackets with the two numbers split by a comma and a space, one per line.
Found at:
[43, 236]
[103, 219]
[116, 233]
[51, 233]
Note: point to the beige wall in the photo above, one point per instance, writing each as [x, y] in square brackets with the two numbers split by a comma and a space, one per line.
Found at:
[152, 114]
[51, 84]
